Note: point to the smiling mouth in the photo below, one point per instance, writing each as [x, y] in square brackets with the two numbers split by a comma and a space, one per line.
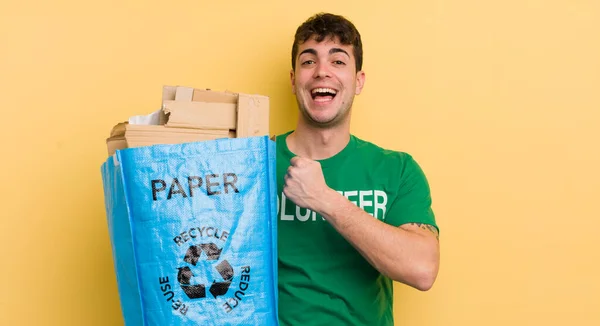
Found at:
[323, 94]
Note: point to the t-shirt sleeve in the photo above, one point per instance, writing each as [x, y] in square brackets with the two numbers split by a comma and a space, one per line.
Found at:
[412, 203]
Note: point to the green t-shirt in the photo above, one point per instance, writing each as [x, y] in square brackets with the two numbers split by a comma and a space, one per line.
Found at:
[323, 280]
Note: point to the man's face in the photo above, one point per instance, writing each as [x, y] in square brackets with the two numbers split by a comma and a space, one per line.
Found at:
[325, 82]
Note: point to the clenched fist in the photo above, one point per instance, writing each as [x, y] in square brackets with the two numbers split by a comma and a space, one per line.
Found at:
[304, 183]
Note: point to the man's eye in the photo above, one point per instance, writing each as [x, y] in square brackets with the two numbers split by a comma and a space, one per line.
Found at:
[339, 62]
[308, 62]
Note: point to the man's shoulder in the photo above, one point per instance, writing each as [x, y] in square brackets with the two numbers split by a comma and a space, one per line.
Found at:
[371, 148]
[397, 164]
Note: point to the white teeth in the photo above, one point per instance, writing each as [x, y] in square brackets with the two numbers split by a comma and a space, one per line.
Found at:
[324, 90]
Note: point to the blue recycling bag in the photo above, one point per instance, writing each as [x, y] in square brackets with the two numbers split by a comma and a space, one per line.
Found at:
[193, 232]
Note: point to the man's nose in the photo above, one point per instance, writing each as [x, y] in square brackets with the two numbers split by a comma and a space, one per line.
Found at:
[322, 71]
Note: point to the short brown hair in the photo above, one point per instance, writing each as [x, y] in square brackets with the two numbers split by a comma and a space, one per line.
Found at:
[324, 25]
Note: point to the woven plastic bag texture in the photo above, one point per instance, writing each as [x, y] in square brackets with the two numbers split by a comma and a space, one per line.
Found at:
[193, 232]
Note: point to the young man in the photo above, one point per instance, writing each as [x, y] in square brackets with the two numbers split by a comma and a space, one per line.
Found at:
[353, 217]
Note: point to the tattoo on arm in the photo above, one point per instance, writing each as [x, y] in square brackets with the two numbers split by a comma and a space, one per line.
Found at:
[428, 227]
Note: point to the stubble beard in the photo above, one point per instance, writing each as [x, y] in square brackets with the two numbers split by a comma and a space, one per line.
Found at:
[339, 118]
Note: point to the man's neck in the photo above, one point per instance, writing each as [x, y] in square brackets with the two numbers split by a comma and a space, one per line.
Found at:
[318, 143]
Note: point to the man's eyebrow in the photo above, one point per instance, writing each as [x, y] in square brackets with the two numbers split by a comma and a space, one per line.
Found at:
[331, 51]
[309, 50]
[336, 50]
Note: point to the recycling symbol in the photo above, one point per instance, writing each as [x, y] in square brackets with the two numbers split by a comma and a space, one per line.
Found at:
[185, 274]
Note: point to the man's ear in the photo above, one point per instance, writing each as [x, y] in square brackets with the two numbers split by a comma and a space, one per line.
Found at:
[360, 81]
[292, 79]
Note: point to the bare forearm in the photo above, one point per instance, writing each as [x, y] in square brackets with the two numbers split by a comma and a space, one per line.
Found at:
[410, 256]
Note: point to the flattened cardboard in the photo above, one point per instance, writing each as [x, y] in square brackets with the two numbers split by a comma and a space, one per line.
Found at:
[201, 115]
[190, 114]
[202, 95]
[125, 135]
[253, 116]
[169, 93]
[184, 93]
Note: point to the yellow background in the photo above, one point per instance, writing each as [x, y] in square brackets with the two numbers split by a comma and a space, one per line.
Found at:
[497, 100]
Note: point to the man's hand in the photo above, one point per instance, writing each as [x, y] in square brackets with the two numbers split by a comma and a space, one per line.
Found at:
[304, 183]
